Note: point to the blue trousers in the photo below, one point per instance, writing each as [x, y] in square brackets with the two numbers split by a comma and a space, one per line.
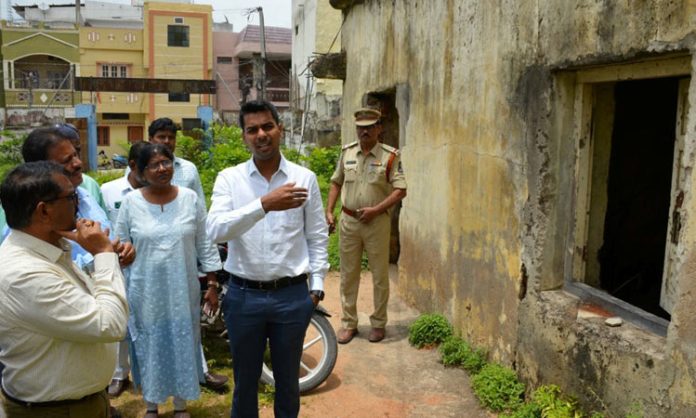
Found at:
[253, 317]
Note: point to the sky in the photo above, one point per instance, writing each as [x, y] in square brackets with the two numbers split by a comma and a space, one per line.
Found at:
[275, 12]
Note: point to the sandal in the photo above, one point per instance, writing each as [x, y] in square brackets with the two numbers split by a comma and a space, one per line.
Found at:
[182, 414]
[151, 414]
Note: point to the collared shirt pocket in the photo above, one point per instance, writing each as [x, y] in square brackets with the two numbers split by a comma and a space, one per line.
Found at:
[376, 174]
[350, 173]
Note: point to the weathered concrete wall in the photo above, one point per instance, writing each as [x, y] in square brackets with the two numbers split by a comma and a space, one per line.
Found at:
[485, 226]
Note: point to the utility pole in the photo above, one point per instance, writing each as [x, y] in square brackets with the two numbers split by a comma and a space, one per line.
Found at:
[262, 91]
[77, 13]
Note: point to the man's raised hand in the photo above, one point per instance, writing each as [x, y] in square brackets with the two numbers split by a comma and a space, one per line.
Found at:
[284, 197]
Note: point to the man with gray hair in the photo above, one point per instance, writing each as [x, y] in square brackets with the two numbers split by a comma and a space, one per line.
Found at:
[57, 324]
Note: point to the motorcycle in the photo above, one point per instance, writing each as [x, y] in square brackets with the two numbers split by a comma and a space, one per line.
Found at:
[103, 161]
[319, 354]
[119, 161]
[320, 348]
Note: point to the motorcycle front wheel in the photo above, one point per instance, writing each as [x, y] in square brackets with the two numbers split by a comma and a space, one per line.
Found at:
[318, 357]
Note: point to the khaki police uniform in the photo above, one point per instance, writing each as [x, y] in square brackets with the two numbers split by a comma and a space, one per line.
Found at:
[365, 183]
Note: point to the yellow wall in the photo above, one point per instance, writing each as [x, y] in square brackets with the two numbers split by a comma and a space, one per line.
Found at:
[120, 47]
[146, 54]
[328, 22]
[192, 62]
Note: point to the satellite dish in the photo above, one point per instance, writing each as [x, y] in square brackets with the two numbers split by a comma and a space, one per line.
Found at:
[43, 6]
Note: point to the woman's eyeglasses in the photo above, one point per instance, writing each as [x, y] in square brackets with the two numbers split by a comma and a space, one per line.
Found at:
[166, 164]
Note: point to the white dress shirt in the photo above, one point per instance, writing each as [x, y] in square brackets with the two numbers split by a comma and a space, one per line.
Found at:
[57, 323]
[186, 175]
[266, 246]
[113, 193]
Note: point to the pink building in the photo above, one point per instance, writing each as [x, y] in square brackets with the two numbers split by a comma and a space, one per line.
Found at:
[236, 67]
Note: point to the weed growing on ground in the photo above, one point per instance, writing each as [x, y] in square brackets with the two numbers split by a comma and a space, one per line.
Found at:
[636, 410]
[457, 352]
[498, 388]
[429, 330]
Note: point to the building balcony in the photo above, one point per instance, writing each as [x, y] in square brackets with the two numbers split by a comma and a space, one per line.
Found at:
[41, 97]
[280, 97]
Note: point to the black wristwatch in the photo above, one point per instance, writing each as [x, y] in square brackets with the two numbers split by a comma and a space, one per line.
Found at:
[318, 293]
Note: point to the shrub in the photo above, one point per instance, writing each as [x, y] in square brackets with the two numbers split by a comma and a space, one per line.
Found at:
[498, 388]
[636, 410]
[457, 352]
[102, 177]
[527, 410]
[428, 330]
[11, 148]
[322, 161]
[553, 404]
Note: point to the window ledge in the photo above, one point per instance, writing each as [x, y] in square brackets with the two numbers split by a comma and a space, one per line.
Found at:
[618, 307]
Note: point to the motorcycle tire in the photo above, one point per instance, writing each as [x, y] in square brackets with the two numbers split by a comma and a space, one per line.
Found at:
[318, 357]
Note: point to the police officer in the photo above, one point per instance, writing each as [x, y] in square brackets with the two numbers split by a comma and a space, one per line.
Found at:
[370, 180]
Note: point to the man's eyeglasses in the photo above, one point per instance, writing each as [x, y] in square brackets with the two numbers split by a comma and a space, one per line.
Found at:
[72, 196]
[166, 164]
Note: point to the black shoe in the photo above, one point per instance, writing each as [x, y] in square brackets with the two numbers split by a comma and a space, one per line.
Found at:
[215, 381]
[116, 387]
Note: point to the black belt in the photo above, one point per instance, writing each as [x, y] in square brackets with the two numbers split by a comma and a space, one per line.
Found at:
[270, 284]
[48, 404]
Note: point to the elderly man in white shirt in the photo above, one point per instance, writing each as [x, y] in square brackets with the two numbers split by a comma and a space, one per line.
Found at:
[270, 212]
[57, 324]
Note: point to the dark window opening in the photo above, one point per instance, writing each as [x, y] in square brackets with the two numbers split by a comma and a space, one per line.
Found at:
[631, 254]
[224, 60]
[115, 116]
[179, 97]
[178, 35]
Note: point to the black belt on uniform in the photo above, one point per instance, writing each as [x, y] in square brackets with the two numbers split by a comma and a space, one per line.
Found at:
[270, 284]
[47, 404]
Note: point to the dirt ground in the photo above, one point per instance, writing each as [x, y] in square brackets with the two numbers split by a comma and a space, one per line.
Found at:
[389, 378]
[370, 380]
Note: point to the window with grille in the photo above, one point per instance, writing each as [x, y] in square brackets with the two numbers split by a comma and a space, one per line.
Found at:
[114, 70]
[178, 35]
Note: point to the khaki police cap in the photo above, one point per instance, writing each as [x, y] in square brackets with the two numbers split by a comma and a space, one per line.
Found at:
[366, 117]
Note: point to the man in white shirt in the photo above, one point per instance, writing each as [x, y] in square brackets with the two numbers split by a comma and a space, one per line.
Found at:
[270, 212]
[163, 131]
[56, 322]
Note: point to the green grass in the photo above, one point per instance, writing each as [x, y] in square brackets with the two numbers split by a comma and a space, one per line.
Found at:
[210, 404]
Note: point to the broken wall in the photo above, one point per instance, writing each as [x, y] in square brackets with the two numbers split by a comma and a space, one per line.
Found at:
[485, 228]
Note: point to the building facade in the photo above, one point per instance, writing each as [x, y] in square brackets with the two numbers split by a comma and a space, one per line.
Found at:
[39, 61]
[238, 68]
[548, 148]
[317, 101]
[165, 40]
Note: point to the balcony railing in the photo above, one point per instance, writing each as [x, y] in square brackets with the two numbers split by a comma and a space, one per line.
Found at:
[52, 83]
[278, 95]
[41, 97]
